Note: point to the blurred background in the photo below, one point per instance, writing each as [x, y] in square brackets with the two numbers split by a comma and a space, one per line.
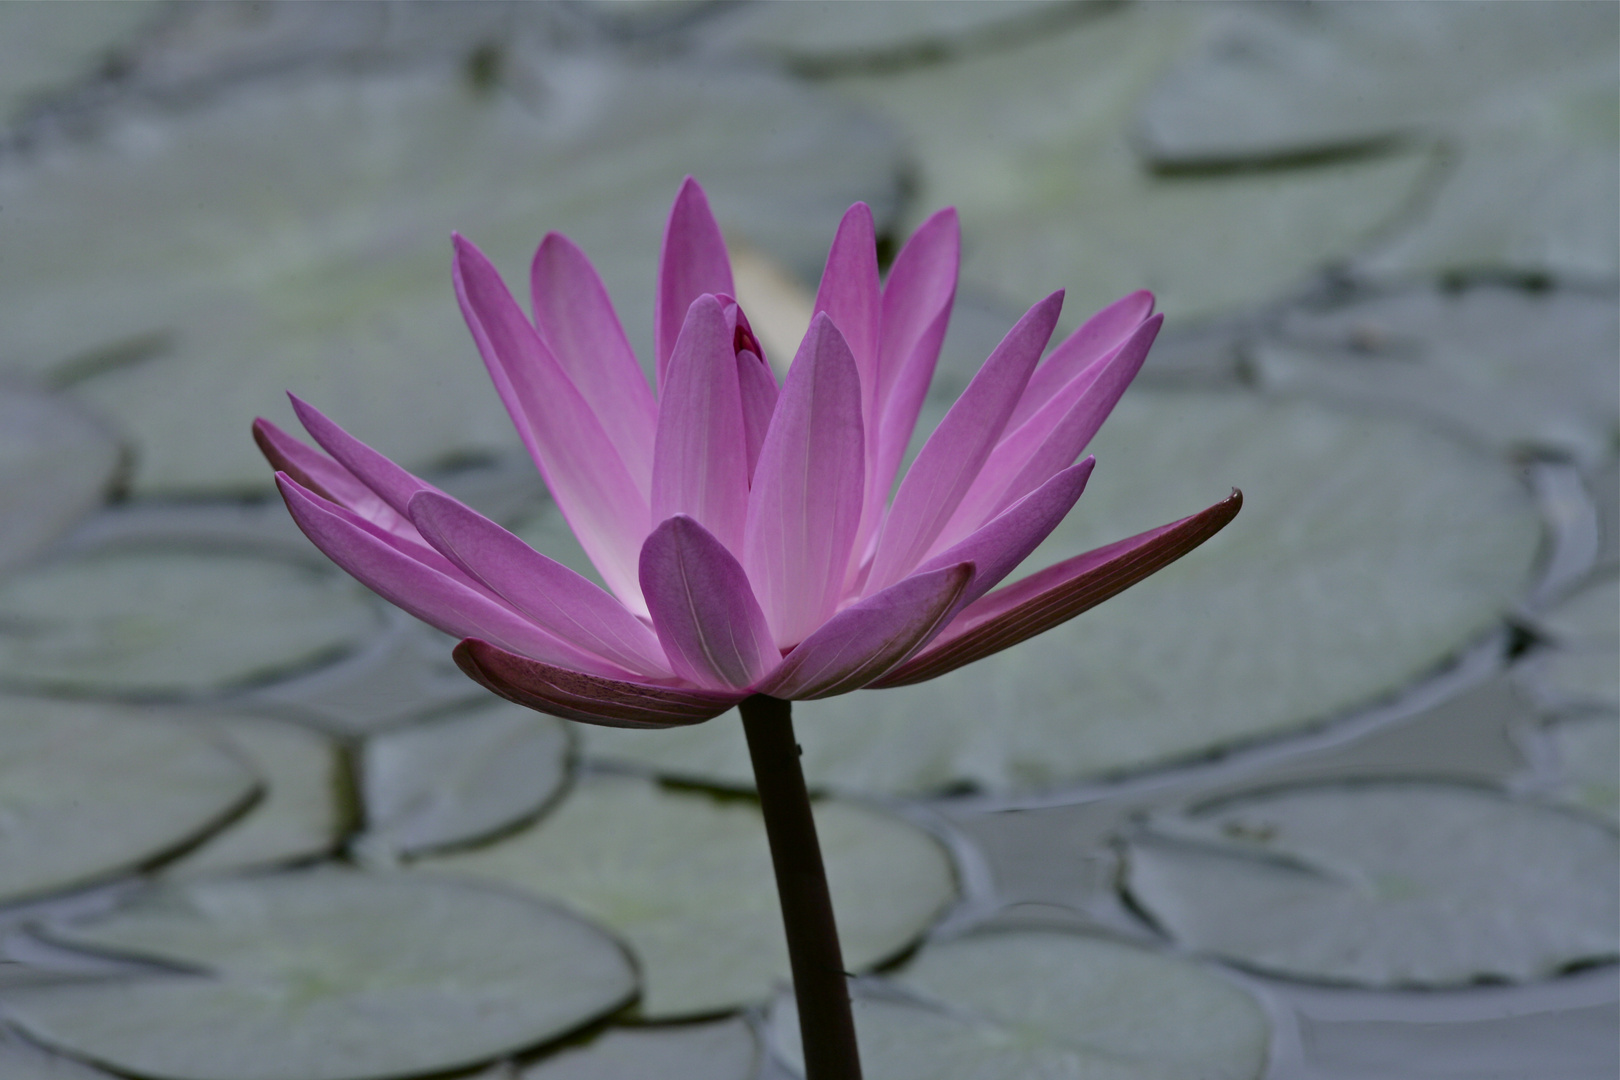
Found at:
[1334, 798]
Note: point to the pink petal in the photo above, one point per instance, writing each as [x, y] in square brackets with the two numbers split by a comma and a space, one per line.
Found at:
[1096, 338]
[916, 308]
[951, 459]
[756, 384]
[805, 503]
[556, 598]
[326, 478]
[392, 484]
[588, 480]
[869, 638]
[577, 322]
[1059, 593]
[589, 699]
[693, 262]
[1053, 436]
[706, 616]
[385, 566]
[701, 464]
[997, 548]
[850, 296]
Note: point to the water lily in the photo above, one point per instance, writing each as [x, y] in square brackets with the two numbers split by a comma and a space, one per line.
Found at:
[743, 528]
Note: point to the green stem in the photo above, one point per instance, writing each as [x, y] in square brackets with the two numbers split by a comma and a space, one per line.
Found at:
[825, 1025]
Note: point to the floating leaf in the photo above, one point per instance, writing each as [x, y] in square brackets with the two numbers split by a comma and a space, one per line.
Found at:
[1050, 1004]
[1384, 884]
[1582, 665]
[1516, 369]
[686, 879]
[1030, 144]
[303, 812]
[88, 792]
[47, 47]
[1368, 551]
[295, 235]
[461, 777]
[21, 1061]
[174, 622]
[327, 975]
[1587, 748]
[726, 1050]
[56, 464]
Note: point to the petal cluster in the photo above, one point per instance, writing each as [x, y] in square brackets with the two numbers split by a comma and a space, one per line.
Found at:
[744, 528]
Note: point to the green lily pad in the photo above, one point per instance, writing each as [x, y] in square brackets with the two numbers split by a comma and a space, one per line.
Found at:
[327, 975]
[1587, 748]
[21, 1061]
[56, 465]
[1031, 145]
[88, 792]
[1515, 369]
[44, 48]
[460, 778]
[303, 812]
[1276, 82]
[686, 879]
[295, 235]
[727, 1050]
[1369, 550]
[171, 623]
[1049, 1004]
[1582, 665]
[1384, 884]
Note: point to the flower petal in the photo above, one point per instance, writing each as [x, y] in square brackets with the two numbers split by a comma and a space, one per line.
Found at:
[868, 638]
[756, 386]
[998, 547]
[392, 484]
[588, 480]
[1059, 593]
[951, 459]
[916, 309]
[1052, 437]
[850, 296]
[1096, 338]
[590, 699]
[693, 262]
[326, 478]
[556, 598]
[705, 614]
[700, 467]
[577, 322]
[439, 598]
[805, 503]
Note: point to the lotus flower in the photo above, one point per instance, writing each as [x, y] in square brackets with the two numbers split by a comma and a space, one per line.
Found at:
[744, 528]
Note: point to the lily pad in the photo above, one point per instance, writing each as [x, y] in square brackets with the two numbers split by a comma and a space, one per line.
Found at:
[1587, 748]
[1050, 1004]
[88, 792]
[461, 777]
[45, 48]
[327, 975]
[1581, 666]
[727, 1050]
[1278, 82]
[56, 465]
[1384, 884]
[1369, 550]
[1031, 145]
[172, 623]
[686, 879]
[1516, 369]
[303, 812]
[294, 234]
[22, 1061]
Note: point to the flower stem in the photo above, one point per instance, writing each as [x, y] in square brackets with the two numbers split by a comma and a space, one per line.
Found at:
[825, 1025]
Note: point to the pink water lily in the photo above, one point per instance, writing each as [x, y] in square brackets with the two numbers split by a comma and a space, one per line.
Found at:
[744, 528]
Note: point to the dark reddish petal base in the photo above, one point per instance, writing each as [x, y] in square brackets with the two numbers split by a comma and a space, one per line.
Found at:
[590, 699]
[1059, 593]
